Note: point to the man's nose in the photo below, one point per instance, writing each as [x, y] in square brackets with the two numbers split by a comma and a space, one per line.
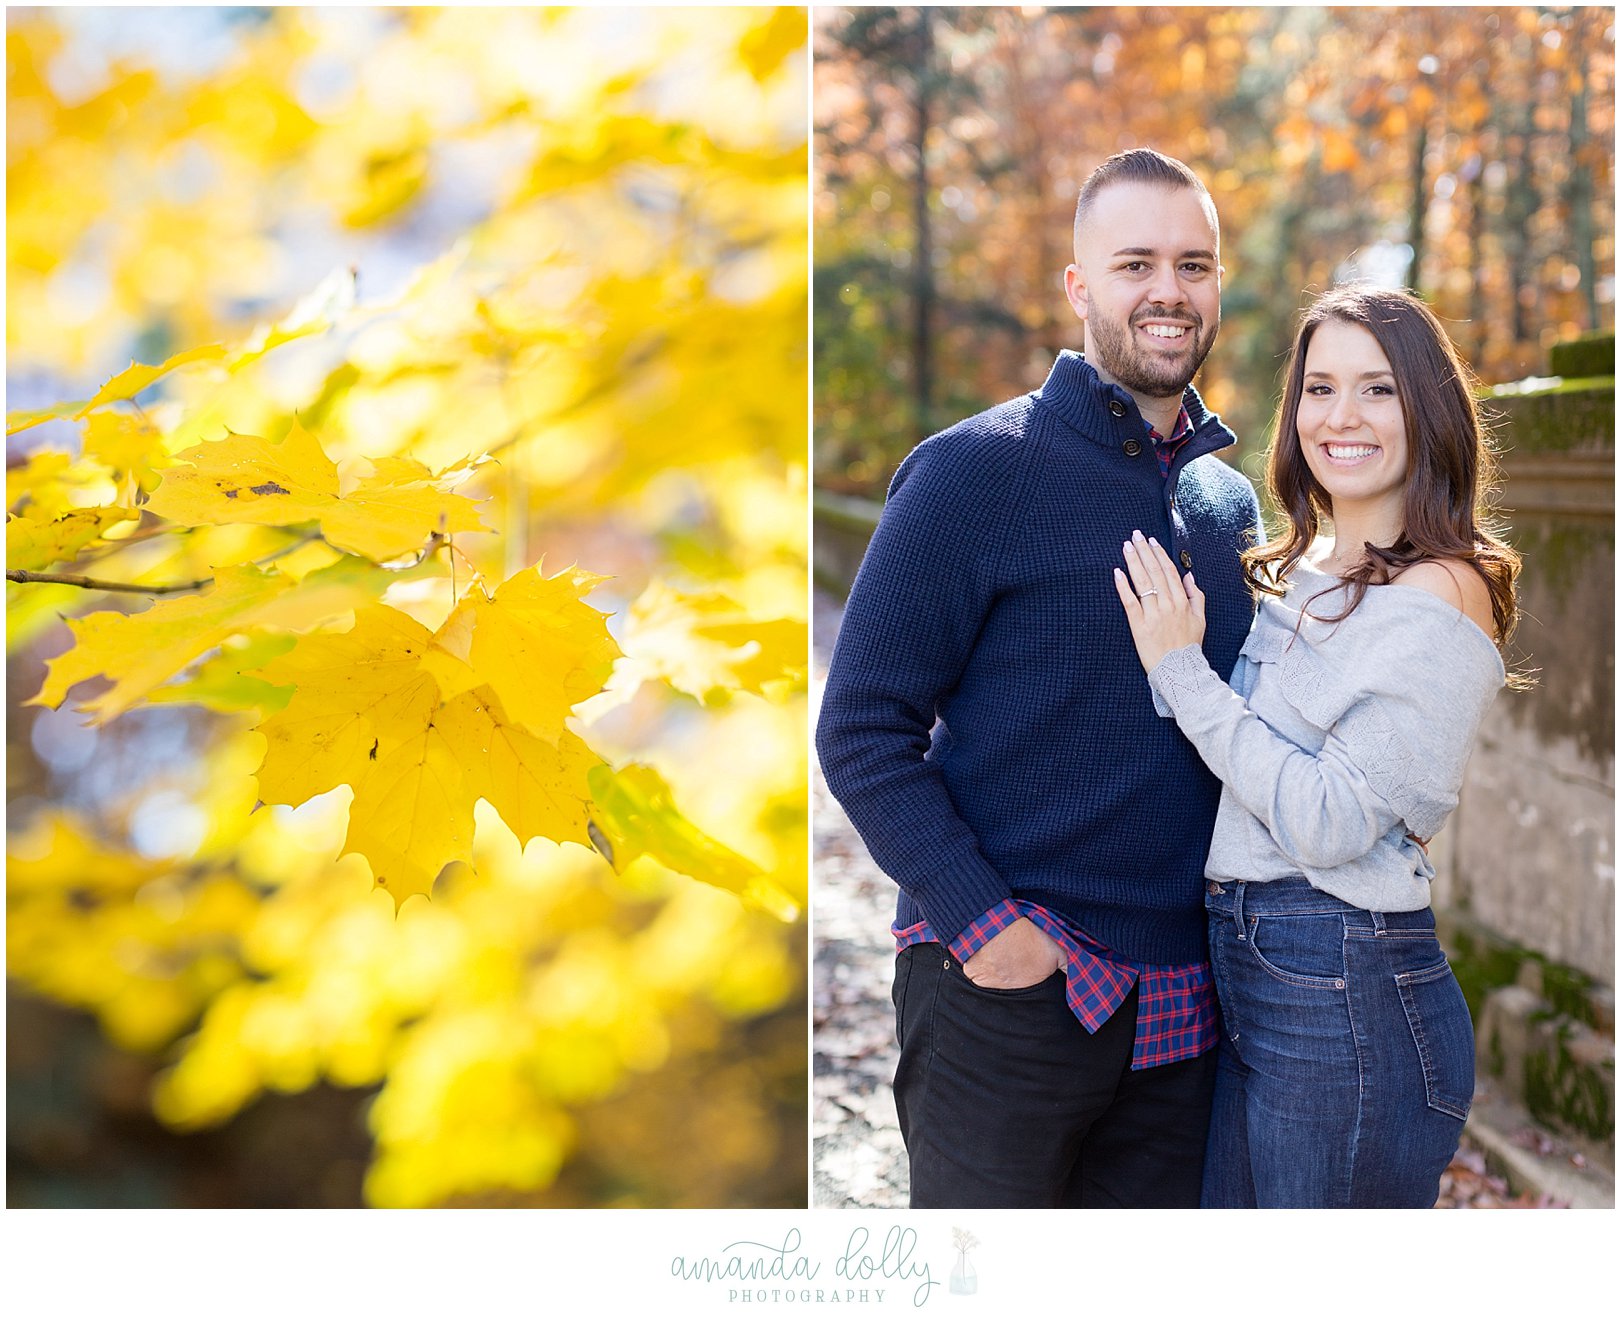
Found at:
[1166, 288]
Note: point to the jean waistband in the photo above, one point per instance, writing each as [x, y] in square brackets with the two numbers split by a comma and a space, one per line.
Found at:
[1296, 896]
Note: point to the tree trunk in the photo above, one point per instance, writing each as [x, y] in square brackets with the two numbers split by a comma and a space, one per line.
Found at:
[1579, 192]
[923, 256]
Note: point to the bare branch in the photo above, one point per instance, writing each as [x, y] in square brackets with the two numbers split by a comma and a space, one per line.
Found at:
[99, 584]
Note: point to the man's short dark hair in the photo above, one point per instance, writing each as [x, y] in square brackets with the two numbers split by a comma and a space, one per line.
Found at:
[1139, 165]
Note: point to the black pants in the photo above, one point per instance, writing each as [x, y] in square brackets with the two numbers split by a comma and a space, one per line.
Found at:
[1007, 1102]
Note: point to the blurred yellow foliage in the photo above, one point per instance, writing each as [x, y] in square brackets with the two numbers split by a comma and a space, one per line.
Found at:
[550, 263]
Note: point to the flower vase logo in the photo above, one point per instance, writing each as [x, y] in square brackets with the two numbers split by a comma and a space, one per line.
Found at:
[964, 1281]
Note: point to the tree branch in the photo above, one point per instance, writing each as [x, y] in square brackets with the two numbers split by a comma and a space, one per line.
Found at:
[138, 588]
[99, 584]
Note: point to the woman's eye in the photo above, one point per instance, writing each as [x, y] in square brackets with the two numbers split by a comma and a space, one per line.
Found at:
[1319, 390]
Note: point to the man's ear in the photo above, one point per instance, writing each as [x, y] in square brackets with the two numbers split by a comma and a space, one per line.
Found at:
[1075, 289]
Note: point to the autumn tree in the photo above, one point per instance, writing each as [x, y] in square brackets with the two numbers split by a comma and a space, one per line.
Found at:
[1465, 152]
[414, 669]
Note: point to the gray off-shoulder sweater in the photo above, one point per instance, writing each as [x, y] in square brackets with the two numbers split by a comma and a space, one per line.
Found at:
[1334, 744]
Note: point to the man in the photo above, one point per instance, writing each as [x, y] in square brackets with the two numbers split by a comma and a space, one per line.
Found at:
[987, 727]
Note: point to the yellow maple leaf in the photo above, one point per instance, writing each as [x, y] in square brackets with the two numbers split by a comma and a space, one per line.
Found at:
[412, 814]
[535, 643]
[540, 789]
[35, 544]
[245, 478]
[141, 651]
[364, 709]
[357, 696]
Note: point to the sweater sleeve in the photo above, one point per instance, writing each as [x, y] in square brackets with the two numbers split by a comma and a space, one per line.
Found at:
[909, 628]
[1394, 754]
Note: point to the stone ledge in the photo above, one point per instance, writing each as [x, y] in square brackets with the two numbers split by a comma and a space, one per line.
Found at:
[1542, 1165]
[1560, 1068]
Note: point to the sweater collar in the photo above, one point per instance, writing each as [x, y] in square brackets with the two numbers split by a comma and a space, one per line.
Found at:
[1107, 414]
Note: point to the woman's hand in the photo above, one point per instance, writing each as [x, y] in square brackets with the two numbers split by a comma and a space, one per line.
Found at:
[1165, 612]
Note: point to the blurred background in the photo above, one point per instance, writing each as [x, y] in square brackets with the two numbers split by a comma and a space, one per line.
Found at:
[575, 241]
[1464, 152]
[1467, 153]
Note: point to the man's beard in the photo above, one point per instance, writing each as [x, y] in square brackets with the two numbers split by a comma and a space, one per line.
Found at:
[1137, 371]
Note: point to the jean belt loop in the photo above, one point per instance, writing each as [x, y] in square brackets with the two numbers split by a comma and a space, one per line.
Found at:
[1238, 907]
[1378, 923]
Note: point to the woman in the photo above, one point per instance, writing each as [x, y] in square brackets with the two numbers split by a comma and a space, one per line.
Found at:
[1347, 1063]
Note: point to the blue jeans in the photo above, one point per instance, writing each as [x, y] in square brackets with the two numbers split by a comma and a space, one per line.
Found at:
[1347, 1062]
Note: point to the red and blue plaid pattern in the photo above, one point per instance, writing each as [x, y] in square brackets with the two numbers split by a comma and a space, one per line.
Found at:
[1176, 1005]
[1165, 449]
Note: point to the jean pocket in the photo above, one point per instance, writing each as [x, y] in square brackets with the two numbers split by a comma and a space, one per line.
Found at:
[1308, 951]
[1443, 1035]
[897, 993]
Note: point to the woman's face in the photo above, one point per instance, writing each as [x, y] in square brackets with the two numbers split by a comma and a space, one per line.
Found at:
[1353, 431]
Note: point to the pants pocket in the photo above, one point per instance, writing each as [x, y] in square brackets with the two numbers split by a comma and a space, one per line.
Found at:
[1443, 1035]
[1307, 952]
[897, 993]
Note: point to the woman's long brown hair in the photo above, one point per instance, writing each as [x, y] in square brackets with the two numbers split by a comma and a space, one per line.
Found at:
[1451, 474]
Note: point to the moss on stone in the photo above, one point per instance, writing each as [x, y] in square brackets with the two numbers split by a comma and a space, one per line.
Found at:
[1566, 1093]
[1571, 416]
[1586, 355]
[1483, 962]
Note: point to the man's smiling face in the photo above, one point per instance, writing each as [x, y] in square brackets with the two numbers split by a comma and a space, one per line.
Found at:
[1147, 282]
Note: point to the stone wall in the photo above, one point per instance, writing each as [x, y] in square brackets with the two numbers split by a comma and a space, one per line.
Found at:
[1525, 890]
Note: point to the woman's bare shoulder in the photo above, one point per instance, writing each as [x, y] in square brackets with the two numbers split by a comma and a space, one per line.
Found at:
[1458, 584]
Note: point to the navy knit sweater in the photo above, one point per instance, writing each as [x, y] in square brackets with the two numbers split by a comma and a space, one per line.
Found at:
[986, 723]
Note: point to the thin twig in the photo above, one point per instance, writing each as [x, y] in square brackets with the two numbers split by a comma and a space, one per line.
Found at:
[98, 584]
[138, 588]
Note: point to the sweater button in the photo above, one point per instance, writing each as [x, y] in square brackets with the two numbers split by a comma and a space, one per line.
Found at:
[1117, 408]
[1187, 559]
[1132, 448]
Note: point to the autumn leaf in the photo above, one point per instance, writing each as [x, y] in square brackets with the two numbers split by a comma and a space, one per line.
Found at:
[244, 478]
[225, 682]
[535, 643]
[125, 385]
[141, 651]
[639, 817]
[34, 545]
[356, 696]
[364, 709]
[412, 814]
[540, 788]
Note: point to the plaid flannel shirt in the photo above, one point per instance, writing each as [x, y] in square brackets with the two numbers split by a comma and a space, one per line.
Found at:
[1176, 1005]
